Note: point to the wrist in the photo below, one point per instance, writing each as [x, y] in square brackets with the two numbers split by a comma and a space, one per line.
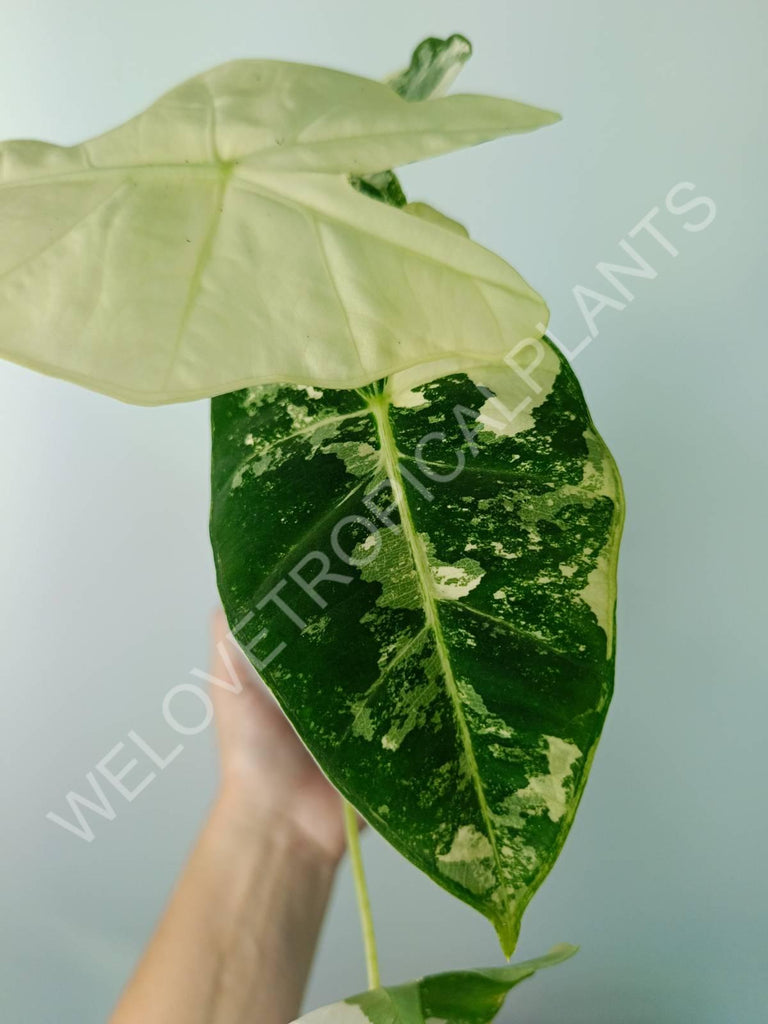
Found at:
[257, 820]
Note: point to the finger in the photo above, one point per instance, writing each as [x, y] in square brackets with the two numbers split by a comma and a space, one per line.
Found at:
[233, 676]
[227, 655]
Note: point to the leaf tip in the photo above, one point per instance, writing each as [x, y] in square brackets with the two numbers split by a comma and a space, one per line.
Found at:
[563, 951]
[552, 117]
[508, 931]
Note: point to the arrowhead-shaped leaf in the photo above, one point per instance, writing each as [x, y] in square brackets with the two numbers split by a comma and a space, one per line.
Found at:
[456, 997]
[424, 573]
[215, 240]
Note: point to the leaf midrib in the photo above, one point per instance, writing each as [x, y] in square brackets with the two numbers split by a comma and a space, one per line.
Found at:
[201, 264]
[208, 170]
[379, 405]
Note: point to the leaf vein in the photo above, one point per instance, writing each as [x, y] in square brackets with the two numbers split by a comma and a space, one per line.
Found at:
[418, 556]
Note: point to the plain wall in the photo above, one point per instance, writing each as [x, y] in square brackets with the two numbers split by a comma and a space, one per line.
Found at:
[106, 577]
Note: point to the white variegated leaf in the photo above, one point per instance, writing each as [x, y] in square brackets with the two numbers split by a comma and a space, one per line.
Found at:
[214, 241]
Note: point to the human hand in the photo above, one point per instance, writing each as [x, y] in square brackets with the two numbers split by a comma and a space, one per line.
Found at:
[265, 769]
[237, 938]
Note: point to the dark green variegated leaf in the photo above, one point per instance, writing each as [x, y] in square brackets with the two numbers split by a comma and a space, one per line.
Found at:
[457, 997]
[453, 680]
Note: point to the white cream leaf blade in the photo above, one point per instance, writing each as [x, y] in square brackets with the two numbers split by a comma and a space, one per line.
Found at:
[456, 997]
[214, 242]
[453, 682]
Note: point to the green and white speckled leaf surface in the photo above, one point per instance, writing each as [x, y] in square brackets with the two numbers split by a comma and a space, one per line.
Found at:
[456, 997]
[215, 241]
[424, 574]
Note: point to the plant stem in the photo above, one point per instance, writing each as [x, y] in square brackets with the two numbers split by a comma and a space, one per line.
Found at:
[361, 891]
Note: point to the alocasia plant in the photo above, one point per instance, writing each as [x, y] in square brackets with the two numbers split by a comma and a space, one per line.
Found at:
[415, 523]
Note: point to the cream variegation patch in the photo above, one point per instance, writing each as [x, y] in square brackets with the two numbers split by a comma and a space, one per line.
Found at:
[597, 595]
[450, 582]
[469, 861]
[518, 387]
[337, 1013]
[547, 793]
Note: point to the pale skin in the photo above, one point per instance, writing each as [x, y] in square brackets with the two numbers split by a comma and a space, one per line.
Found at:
[236, 941]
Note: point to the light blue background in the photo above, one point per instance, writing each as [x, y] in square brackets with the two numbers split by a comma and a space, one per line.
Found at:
[106, 576]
